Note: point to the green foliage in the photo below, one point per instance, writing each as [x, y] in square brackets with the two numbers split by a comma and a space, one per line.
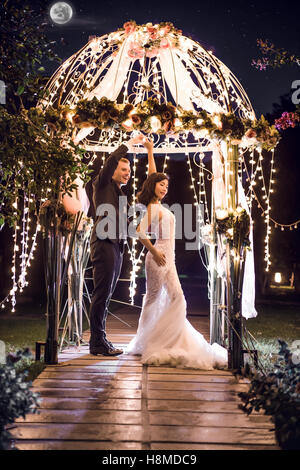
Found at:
[16, 398]
[236, 228]
[54, 214]
[278, 394]
[232, 127]
[34, 160]
[105, 113]
[37, 155]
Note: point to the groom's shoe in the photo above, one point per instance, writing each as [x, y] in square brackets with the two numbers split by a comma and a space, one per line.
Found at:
[105, 350]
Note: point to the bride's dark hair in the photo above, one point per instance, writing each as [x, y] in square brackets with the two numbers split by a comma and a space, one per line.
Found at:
[147, 192]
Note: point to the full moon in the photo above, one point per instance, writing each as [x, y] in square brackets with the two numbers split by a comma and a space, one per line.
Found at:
[61, 12]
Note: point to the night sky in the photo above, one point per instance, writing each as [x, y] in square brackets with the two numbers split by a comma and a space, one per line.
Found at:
[230, 29]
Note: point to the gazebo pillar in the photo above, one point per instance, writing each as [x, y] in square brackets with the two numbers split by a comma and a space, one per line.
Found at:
[235, 259]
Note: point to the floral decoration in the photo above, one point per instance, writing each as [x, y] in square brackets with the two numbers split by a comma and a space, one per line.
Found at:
[235, 226]
[164, 118]
[148, 39]
[287, 120]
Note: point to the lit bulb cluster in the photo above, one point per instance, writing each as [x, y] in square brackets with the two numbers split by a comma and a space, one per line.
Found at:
[135, 260]
[201, 197]
[251, 178]
[25, 255]
[256, 173]
[202, 187]
[266, 197]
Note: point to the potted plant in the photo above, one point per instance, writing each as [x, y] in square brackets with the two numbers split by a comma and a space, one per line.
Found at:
[278, 394]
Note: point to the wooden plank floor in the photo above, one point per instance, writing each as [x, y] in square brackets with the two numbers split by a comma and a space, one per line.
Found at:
[95, 402]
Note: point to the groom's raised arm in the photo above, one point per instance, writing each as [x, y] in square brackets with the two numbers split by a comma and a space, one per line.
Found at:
[111, 163]
[148, 144]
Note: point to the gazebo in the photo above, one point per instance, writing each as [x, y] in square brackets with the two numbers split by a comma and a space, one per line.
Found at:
[152, 78]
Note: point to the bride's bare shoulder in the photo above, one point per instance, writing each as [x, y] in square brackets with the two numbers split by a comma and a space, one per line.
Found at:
[154, 209]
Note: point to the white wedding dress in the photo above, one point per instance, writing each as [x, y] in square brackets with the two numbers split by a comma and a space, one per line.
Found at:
[164, 335]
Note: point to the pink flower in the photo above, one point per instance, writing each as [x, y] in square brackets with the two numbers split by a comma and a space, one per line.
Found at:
[152, 30]
[168, 126]
[136, 51]
[164, 30]
[153, 35]
[164, 43]
[250, 134]
[129, 27]
[260, 64]
[287, 120]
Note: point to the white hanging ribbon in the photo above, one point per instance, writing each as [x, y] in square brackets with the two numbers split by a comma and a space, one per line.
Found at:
[184, 90]
[248, 292]
[114, 78]
[112, 83]
[219, 192]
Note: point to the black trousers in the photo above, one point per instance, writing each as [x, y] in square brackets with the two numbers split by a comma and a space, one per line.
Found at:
[107, 259]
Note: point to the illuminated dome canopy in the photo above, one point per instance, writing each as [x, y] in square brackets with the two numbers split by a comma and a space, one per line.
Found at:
[136, 63]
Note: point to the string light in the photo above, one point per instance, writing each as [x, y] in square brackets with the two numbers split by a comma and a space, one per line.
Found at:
[132, 285]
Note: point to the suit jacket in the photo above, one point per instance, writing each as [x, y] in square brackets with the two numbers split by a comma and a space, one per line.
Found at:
[106, 191]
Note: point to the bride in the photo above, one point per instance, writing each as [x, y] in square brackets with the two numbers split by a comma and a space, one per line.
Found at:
[164, 335]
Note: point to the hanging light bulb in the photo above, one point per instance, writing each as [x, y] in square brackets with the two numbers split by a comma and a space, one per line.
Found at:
[155, 123]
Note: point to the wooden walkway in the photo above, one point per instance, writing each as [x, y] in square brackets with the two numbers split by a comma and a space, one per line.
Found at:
[94, 403]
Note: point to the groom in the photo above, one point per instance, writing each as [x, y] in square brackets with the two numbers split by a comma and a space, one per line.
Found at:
[107, 254]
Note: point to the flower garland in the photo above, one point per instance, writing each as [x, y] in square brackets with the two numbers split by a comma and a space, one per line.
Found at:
[148, 39]
[164, 118]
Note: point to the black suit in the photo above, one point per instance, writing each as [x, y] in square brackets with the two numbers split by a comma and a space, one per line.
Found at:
[107, 254]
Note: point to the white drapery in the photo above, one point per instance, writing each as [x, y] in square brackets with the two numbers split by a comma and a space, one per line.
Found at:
[184, 90]
[219, 159]
[112, 83]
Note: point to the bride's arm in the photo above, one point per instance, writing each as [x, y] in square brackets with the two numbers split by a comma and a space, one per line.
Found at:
[152, 215]
[148, 144]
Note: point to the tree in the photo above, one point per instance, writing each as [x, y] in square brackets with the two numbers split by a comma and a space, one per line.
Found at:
[38, 160]
[275, 58]
[24, 48]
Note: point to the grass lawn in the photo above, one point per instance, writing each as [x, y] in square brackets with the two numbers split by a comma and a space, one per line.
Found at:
[20, 332]
[274, 322]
